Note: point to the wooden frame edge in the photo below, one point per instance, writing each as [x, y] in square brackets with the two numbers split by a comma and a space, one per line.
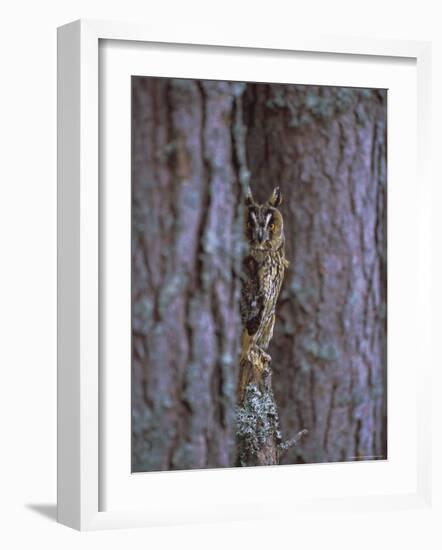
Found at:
[77, 251]
[68, 280]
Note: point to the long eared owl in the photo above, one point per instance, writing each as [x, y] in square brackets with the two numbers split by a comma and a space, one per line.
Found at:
[263, 273]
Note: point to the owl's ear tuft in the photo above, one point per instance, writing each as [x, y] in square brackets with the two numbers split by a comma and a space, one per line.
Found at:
[275, 198]
[249, 197]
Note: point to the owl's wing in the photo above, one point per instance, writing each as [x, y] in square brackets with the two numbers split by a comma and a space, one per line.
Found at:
[252, 299]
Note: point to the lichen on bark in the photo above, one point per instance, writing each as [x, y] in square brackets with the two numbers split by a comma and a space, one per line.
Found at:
[196, 146]
[258, 433]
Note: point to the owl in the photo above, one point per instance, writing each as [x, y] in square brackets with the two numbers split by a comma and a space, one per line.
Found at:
[262, 276]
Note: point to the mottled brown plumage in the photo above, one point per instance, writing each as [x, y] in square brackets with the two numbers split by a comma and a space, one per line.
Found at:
[263, 273]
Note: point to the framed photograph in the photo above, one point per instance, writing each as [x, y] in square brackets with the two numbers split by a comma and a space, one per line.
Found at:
[239, 225]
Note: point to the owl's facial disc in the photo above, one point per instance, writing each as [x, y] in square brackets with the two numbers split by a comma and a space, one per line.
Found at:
[261, 226]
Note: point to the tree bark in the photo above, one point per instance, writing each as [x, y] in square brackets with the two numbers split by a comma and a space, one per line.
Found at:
[258, 433]
[196, 146]
[326, 149]
[186, 256]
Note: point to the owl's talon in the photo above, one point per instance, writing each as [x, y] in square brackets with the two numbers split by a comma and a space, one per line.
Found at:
[265, 356]
[258, 353]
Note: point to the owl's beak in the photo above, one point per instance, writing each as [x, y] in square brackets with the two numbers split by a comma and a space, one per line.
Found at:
[260, 235]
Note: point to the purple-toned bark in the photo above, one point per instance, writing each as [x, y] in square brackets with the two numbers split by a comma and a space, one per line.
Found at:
[326, 149]
[193, 145]
[185, 278]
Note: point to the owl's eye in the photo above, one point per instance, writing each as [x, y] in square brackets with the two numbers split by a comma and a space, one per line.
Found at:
[272, 226]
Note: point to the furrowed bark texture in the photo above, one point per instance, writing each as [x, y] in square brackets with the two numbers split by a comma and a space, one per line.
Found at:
[326, 149]
[196, 146]
[186, 255]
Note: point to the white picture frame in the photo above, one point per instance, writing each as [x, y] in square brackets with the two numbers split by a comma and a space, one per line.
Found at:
[79, 424]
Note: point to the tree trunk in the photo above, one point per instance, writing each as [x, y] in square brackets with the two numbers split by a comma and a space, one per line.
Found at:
[185, 274]
[258, 433]
[196, 146]
[326, 149]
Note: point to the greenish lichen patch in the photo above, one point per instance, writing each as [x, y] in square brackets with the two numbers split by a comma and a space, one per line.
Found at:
[256, 421]
[326, 351]
[172, 288]
[142, 315]
[167, 152]
[304, 295]
[320, 104]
